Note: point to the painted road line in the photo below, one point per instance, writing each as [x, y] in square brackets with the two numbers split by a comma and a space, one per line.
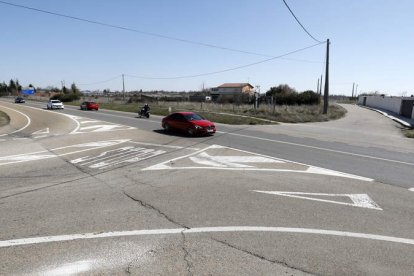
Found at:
[208, 162]
[359, 200]
[164, 146]
[411, 189]
[39, 155]
[317, 148]
[115, 157]
[180, 231]
[63, 114]
[42, 131]
[230, 161]
[20, 129]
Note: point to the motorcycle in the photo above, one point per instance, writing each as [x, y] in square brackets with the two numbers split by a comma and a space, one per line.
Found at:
[143, 113]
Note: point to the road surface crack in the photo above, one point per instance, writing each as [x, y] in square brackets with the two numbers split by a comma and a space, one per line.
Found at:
[187, 256]
[283, 263]
[149, 206]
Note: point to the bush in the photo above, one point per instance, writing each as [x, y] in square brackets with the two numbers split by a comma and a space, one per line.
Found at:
[66, 97]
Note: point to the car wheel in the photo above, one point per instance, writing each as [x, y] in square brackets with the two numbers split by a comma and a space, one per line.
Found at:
[167, 127]
[191, 131]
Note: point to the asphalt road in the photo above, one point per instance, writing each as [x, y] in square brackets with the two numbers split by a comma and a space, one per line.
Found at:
[84, 192]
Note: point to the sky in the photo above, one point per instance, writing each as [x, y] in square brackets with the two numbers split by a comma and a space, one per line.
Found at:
[371, 44]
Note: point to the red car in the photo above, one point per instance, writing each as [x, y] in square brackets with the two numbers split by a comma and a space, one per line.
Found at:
[189, 122]
[89, 106]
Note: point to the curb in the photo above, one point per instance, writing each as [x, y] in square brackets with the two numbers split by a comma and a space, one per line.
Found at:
[402, 122]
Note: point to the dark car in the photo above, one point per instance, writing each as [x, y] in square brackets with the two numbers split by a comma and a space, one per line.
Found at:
[89, 106]
[189, 122]
[19, 100]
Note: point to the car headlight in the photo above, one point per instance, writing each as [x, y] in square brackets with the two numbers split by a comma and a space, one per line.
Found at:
[197, 127]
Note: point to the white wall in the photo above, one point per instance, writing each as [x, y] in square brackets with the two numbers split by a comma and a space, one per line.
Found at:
[388, 103]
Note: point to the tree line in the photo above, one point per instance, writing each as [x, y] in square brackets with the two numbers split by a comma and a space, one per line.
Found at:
[64, 94]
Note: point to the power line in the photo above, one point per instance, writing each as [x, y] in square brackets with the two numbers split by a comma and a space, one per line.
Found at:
[136, 30]
[98, 82]
[297, 20]
[226, 70]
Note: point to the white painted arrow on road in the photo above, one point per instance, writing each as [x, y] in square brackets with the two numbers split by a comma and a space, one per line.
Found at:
[359, 200]
[230, 161]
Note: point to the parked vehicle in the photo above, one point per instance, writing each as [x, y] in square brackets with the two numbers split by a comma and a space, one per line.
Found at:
[89, 106]
[188, 122]
[19, 100]
[55, 104]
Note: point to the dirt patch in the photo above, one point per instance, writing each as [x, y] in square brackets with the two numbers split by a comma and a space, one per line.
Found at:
[4, 119]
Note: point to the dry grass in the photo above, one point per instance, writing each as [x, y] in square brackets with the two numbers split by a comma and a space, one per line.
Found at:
[409, 133]
[236, 114]
[4, 119]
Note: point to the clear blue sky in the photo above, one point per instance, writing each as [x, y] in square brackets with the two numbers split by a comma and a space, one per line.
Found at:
[371, 43]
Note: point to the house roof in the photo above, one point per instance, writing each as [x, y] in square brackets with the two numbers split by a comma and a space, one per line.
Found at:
[235, 85]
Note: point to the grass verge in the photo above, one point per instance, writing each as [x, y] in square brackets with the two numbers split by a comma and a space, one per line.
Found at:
[409, 133]
[4, 119]
[236, 114]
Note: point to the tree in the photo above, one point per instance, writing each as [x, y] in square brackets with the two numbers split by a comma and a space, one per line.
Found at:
[3, 89]
[12, 85]
[74, 89]
[18, 86]
[283, 94]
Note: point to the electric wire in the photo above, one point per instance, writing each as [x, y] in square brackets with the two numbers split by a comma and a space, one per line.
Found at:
[136, 30]
[99, 82]
[297, 20]
[226, 70]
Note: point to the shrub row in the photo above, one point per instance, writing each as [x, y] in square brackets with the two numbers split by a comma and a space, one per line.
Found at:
[66, 97]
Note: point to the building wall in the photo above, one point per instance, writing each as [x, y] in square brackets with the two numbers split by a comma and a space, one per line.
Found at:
[412, 116]
[388, 103]
[229, 90]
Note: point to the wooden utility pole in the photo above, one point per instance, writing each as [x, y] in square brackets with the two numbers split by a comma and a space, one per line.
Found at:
[326, 91]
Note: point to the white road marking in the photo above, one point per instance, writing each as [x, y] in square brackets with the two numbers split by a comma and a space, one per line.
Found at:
[42, 131]
[117, 156]
[74, 268]
[165, 146]
[101, 128]
[201, 158]
[230, 161]
[411, 189]
[20, 129]
[19, 158]
[359, 200]
[318, 148]
[179, 231]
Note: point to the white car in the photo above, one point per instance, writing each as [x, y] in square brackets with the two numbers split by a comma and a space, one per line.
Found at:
[55, 104]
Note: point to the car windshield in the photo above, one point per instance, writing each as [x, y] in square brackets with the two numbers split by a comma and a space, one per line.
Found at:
[193, 117]
[55, 101]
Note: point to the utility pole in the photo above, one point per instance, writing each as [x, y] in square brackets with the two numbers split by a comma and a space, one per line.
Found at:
[317, 87]
[356, 89]
[320, 86]
[123, 87]
[326, 91]
[353, 86]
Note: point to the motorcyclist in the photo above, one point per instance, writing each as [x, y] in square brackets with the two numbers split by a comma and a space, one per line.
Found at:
[145, 110]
